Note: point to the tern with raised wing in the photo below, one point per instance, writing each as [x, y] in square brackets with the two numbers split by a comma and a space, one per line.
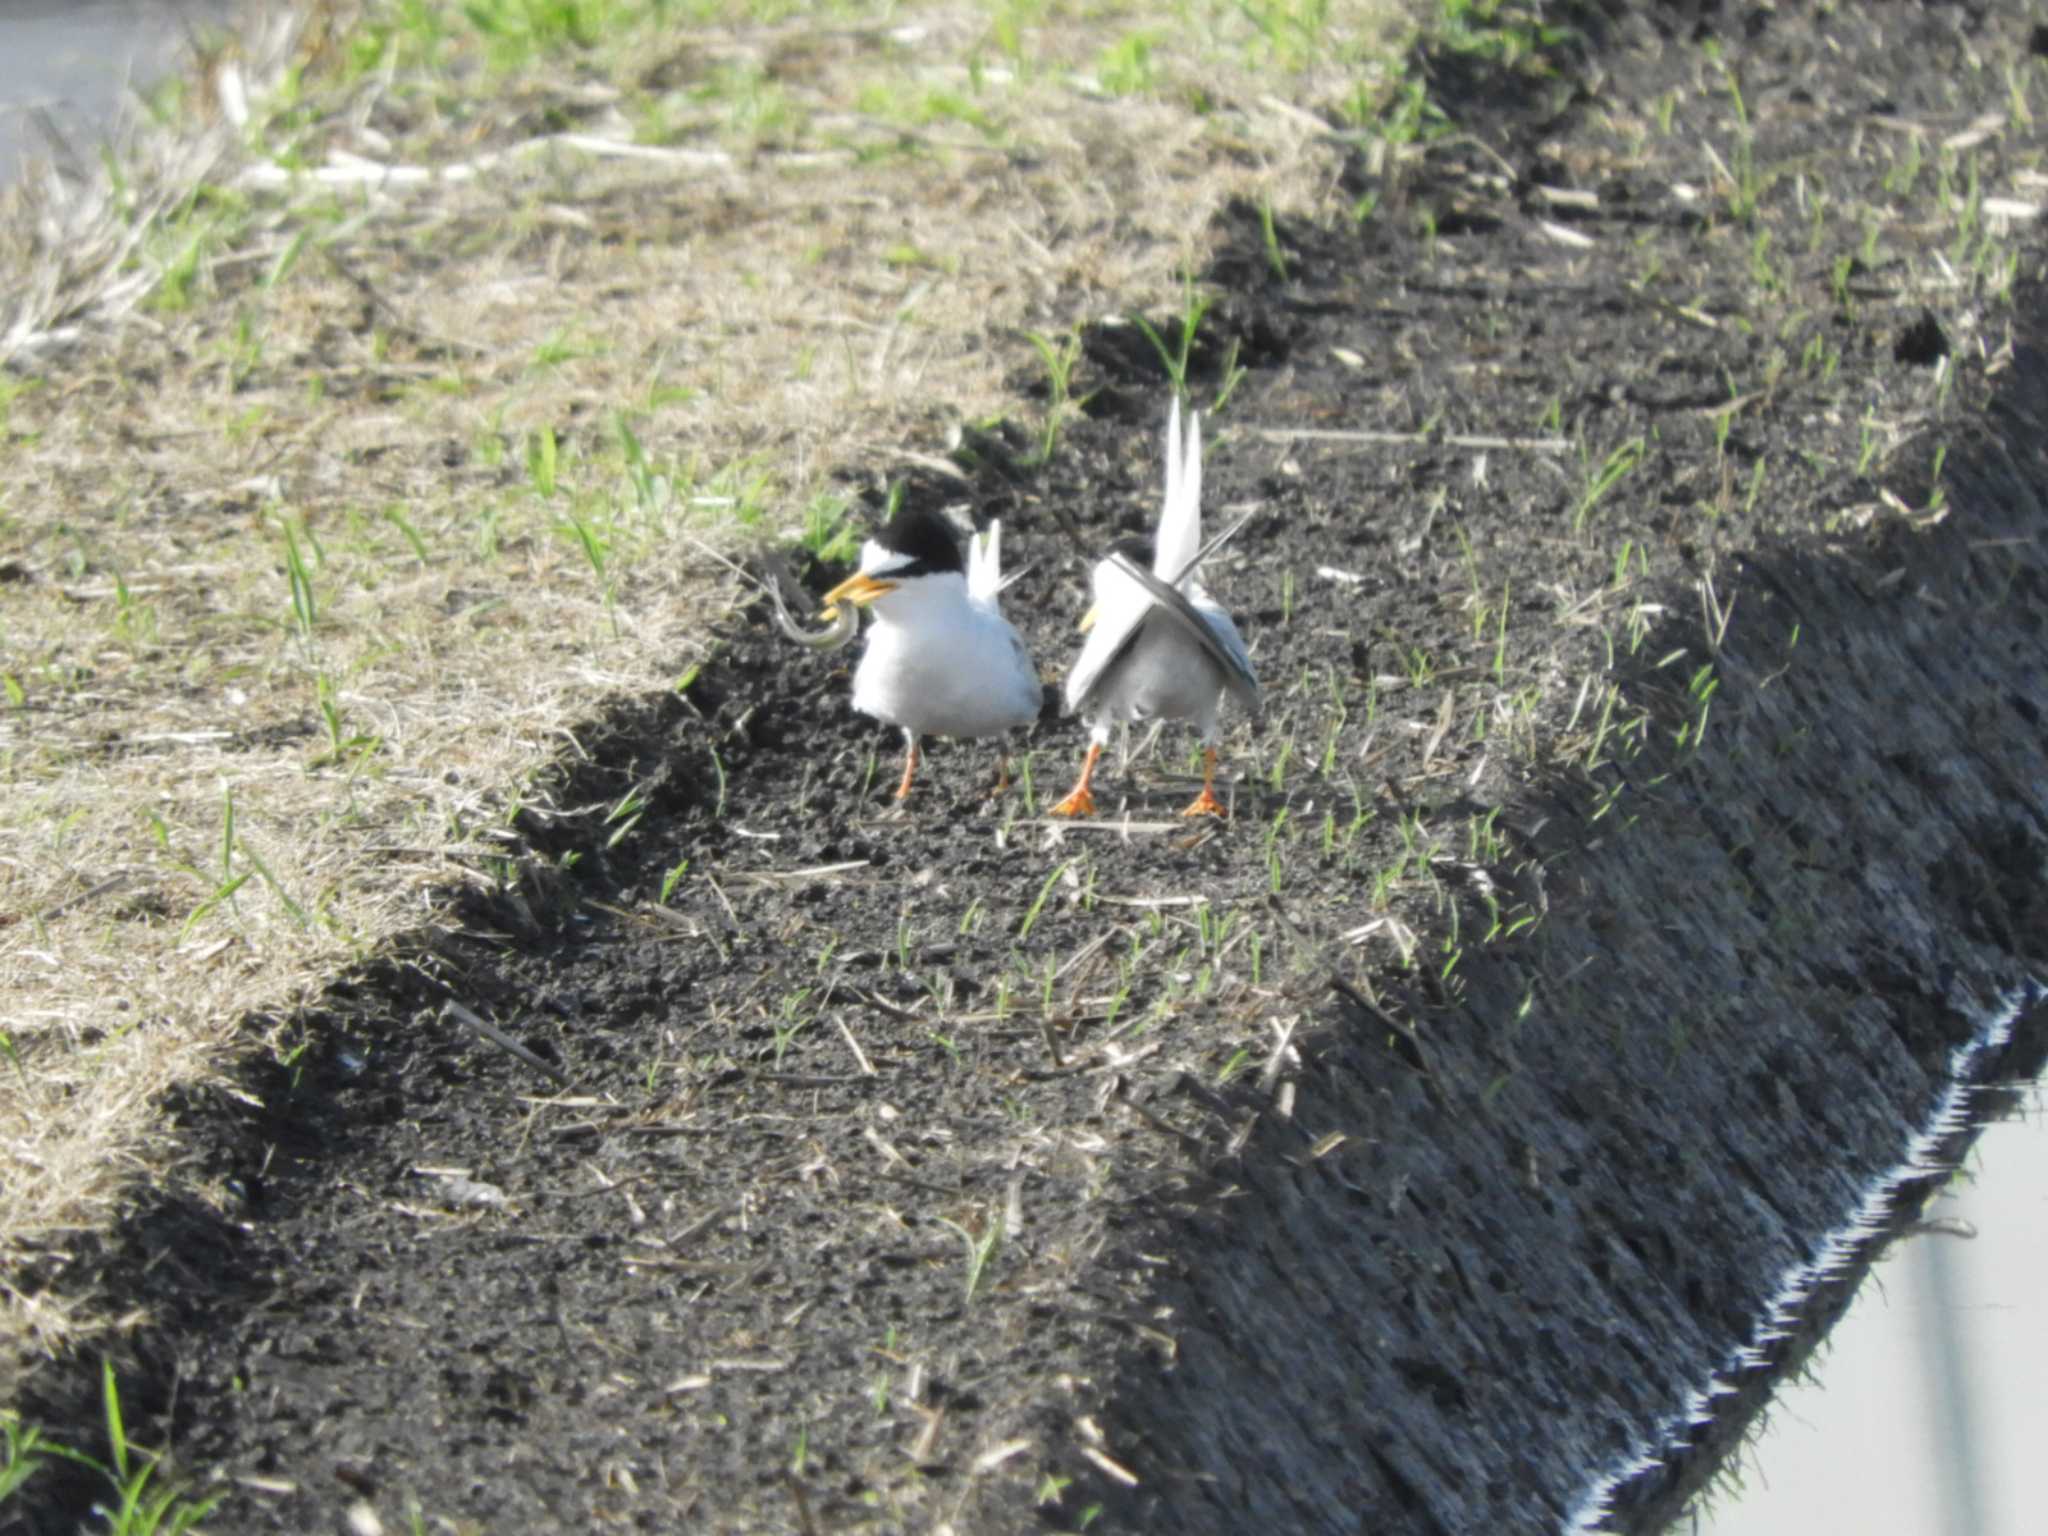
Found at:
[1159, 646]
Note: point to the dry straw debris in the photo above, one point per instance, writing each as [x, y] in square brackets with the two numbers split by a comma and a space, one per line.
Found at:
[355, 420]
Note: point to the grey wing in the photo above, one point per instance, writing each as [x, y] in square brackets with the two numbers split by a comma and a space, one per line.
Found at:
[1244, 685]
[1116, 628]
[1031, 689]
[1219, 641]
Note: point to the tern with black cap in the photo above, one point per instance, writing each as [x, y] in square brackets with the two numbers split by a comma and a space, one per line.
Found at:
[941, 660]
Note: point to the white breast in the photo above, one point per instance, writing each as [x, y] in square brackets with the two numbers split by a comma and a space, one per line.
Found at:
[945, 668]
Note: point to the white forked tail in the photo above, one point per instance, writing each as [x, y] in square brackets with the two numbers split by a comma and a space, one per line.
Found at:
[1180, 520]
[985, 563]
[986, 582]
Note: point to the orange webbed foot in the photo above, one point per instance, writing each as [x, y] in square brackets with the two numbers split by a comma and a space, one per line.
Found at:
[1206, 803]
[1080, 803]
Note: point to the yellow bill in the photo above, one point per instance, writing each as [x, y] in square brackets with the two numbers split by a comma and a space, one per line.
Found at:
[859, 590]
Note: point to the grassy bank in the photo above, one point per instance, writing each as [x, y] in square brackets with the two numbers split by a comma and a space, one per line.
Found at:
[360, 420]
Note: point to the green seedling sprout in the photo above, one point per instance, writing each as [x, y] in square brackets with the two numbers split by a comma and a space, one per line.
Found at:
[1612, 471]
[1193, 307]
[1038, 905]
[981, 1251]
[1276, 258]
[1059, 363]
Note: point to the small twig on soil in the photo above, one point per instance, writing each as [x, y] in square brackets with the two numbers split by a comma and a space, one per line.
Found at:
[1115, 1469]
[867, 1067]
[1450, 439]
[59, 908]
[697, 1268]
[815, 872]
[1108, 1060]
[1686, 312]
[1280, 107]
[1234, 1147]
[1325, 1144]
[1052, 1045]
[995, 1456]
[876, 1001]
[1191, 1145]
[1566, 197]
[932, 462]
[704, 1223]
[1120, 828]
[1474, 141]
[1087, 952]
[880, 1143]
[628, 149]
[1107, 1313]
[1564, 234]
[1406, 1031]
[604, 1187]
[1283, 1049]
[650, 915]
[725, 902]
[670, 1129]
[802, 1079]
[928, 1438]
[924, 1185]
[757, 1365]
[504, 1042]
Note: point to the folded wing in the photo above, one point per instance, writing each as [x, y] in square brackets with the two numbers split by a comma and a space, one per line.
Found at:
[1211, 629]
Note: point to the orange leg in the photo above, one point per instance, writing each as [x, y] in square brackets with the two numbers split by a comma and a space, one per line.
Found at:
[1206, 803]
[1081, 802]
[1002, 784]
[909, 771]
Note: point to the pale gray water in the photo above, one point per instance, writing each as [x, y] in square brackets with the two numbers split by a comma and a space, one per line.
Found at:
[1949, 1343]
[70, 63]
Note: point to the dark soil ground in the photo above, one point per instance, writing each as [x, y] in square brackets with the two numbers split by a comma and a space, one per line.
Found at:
[1397, 1156]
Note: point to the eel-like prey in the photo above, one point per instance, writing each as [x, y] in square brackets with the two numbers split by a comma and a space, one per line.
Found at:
[845, 623]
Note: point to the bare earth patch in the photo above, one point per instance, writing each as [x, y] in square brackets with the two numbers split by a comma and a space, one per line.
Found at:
[353, 440]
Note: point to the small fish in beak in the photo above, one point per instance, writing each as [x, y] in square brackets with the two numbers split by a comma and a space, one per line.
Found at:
[941, 660]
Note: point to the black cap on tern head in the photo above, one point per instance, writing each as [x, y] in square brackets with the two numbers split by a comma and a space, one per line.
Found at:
[922, 544]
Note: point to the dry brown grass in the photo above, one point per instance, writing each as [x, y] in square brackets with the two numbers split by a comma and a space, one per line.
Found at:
[768, 249]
